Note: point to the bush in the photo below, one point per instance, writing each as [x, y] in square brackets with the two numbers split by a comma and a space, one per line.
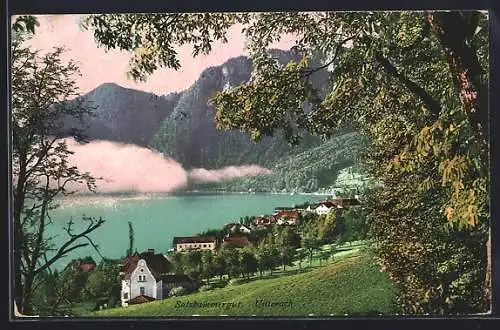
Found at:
[177, 291]
[439, 269]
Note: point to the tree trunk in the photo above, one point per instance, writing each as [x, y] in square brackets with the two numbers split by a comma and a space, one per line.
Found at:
[27, 301]
[18, 234]
[454, 31]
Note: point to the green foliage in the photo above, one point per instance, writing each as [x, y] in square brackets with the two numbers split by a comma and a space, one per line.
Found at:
[416, 86]
[327, 227]
[207, 265]
[104, 282]
[25, 23]
[287, 237]
[267, 256]
[145, 34]
[247, 261]
[232, 261]
[177, 291]
[294, 173]
[356, 285]
[355, 224]
[130, 239]
[192, 263]
[310, 240]
[176, 258]
[210, 232]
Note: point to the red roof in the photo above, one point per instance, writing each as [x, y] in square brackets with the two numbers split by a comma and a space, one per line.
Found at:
[194, 239]
[157, 264]
[287, 214]
[265, 220]
[236, 241]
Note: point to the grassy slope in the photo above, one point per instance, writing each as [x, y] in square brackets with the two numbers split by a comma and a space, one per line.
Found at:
[352, 286]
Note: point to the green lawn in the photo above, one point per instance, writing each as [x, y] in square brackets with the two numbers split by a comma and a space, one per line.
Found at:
[350, 286]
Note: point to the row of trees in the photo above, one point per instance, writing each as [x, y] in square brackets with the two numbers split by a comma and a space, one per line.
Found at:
[271, 248]
[59, 292]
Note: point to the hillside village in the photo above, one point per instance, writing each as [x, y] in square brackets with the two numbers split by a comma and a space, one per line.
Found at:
[148, 276]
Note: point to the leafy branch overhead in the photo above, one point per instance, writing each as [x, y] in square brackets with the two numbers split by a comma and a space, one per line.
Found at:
[413, 83]
[380, 63]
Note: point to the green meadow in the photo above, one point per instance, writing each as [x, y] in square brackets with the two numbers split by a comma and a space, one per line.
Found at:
[353, 285]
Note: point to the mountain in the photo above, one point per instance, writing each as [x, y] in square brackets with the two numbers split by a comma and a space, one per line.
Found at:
[190, 136]
[182, 126]
[125, 115]
[313, 170]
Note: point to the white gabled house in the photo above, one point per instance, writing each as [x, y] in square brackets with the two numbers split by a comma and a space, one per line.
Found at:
[147, 277]
[332, 204]
[324, 209]
[245, 229]
[321, 208]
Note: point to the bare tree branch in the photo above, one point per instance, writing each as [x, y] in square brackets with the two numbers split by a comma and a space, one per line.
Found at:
[66, 247]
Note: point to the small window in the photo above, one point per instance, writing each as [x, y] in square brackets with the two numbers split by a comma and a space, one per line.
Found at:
[142, 270]
[125, 295]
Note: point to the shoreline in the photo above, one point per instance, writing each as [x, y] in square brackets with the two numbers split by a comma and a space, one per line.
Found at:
[189, 192]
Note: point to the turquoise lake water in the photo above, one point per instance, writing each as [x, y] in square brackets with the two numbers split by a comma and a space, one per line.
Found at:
[158, 218]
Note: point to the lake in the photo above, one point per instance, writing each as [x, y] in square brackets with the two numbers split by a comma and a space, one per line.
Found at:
[158, 218]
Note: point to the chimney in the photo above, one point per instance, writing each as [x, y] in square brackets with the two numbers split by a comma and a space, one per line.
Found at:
[151, 251]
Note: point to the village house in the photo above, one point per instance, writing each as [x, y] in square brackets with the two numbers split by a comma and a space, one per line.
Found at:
[147, 277]
[287, 217]
[236, 227]
[182, 244]
[330, 205]
[321, 208]
[82, 265]
[344, 202]
[235, 241]
[264, 221]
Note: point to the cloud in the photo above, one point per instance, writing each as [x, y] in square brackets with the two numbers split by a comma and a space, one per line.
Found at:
[130, 168]
[126, 167]
[226, 173]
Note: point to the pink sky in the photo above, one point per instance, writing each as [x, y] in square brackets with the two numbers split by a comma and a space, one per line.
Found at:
[98, 66]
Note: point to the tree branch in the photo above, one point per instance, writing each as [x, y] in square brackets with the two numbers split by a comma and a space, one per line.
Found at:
[426, 98]
[309, 71]
[66, 247]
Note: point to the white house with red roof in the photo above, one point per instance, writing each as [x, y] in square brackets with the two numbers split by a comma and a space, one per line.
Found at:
[147, 277]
